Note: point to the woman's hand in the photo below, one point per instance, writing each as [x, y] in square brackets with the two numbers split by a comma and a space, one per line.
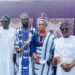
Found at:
[36, 58]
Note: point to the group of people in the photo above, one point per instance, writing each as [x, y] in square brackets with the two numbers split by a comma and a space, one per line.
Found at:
[38, 52]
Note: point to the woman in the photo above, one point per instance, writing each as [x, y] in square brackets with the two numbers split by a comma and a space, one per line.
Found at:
[39, 53]
[36, 46]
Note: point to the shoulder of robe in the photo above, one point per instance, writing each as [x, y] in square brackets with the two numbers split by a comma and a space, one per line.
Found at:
[13, 30]
[52, 35]
[35, 34]
[18, 29]
[73, 38]
[1, 29]
[56, 41]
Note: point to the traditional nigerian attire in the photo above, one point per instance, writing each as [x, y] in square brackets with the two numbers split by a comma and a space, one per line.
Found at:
[7, 39]
[32, 29]
[65, 49]
[42, 51]
[23, 62]
[36, 46]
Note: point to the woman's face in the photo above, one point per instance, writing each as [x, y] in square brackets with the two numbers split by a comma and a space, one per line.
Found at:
[41, 26]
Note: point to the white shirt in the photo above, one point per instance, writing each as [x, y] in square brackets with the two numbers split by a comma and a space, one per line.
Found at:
[65, 49]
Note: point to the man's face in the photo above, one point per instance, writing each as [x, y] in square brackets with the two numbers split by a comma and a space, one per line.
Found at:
[24, 21]
[65, 32]
[5, 24]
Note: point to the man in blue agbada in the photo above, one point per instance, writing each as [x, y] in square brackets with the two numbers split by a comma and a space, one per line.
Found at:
[22, 45]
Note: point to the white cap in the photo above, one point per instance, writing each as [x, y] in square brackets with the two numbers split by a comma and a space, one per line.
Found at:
[24, 16]
[5, 18]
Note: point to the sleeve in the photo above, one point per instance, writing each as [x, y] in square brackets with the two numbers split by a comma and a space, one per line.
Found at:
[74, 54]
[14, 39]
[33, 45]
[17, 39]
[32, 30]
[74, 49]
[53, 48]
[51, 54]
[56, 51]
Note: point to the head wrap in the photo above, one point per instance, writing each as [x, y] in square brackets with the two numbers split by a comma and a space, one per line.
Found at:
[45, 21]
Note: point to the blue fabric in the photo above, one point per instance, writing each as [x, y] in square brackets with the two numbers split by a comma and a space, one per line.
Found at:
[52, 53]
[47, 70]
[45, 53]
[36, 46]
[35, 43]
[22, 35]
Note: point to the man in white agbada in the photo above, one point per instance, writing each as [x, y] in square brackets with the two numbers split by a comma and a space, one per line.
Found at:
[65, 52]
[7, 39]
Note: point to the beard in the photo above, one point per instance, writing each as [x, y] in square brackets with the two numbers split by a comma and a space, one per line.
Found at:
[6, 27]
[25, 25]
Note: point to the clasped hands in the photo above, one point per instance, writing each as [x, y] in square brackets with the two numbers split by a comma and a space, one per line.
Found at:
[67, 67]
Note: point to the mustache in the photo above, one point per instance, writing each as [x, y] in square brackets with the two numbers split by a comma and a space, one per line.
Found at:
[25, 25]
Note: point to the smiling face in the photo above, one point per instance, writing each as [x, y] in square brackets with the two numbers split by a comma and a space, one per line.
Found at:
[65, 29]
[5, 21]
[24, 19]
[25, 22]
[65, 32]
[5, 24]
[41, 26]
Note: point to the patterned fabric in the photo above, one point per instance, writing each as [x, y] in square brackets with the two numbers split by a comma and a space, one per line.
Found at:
[48, 48]
[36, 44]
[23, 60]
[42, 53]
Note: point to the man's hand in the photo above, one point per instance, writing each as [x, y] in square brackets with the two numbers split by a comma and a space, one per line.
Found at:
[18, 49]
[70, 66]
[36, 58]
[65, 67]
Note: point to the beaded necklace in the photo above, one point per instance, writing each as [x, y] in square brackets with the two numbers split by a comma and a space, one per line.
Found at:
[39, 36]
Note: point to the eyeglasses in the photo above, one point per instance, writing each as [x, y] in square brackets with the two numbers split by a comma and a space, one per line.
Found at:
[65, 29]
[4, 21]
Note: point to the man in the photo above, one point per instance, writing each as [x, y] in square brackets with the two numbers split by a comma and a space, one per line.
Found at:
[22, 46]
[65, 51]
[7, 39]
